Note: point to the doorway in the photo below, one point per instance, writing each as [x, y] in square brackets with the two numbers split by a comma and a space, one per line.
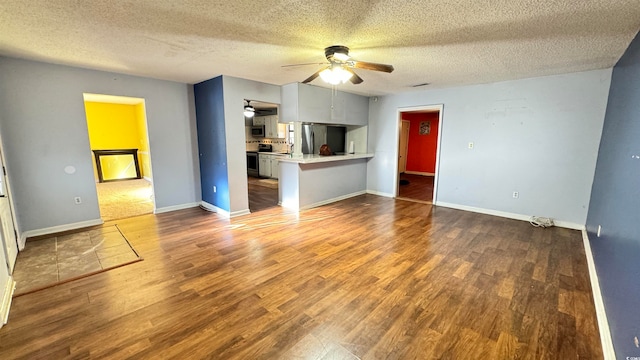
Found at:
[418, 153]
[119, 142]
[262, 167]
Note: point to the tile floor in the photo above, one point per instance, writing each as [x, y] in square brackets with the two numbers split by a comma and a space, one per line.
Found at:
[52, 260]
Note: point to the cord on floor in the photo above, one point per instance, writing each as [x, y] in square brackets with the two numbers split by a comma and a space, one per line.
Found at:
[542, 222]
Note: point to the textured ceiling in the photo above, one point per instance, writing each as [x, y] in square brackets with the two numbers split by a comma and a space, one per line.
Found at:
[444, 43]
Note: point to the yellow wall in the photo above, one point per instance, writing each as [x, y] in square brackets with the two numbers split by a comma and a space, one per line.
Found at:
[118, 126]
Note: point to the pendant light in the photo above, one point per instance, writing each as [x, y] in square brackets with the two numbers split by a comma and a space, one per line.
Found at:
[249, 110]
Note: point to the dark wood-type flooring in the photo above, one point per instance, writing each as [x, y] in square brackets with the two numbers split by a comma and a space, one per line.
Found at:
[419, 187]
[261, 197]
[368, 277]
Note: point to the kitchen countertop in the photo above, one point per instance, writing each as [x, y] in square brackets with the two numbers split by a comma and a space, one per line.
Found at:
[273, 153]
[310, 159]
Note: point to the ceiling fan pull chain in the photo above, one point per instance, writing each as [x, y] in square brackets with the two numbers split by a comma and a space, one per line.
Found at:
[334, 92]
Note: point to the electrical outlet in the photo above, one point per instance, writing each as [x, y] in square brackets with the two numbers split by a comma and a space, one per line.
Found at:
[516, 194]
[77, 200]
[470, 145]
[599, 229]
[214, 188]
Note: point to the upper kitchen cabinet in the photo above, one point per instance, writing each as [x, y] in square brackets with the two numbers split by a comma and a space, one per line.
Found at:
[350, 109]
[272, 129]
[314, 104]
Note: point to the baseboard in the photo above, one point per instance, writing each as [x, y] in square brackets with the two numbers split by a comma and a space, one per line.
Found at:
[601, 314]
[215, 209]
[175, 207]
[568, 225]
[56, 229]
[7, 296]
[373, 192]
[508, 215]
[419, 173]
[224, 213]
[240, 213]
[332, 200]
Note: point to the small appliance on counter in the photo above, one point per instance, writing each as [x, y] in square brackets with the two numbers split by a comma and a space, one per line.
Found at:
[265, 148]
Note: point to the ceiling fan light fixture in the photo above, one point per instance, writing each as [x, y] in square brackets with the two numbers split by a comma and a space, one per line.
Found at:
[341, 65]
[335, 75]
[249, 110]
[341, 56]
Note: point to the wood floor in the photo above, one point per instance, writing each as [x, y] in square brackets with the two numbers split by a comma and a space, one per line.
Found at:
[261, 197]
[419, 187]
[369, 277]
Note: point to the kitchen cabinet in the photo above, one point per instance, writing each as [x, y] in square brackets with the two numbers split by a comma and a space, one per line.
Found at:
[272, 129]
[268, 165]
[271, 126]
[274, 166]
[265, 165]
[314, 104]
[350, 109]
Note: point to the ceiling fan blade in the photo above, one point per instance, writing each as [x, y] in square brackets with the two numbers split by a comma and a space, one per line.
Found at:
[355, 79]
[312, 77]
[304, 64]
[370, 66]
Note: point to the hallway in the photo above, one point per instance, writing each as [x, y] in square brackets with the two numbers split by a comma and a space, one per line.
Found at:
[418, 187]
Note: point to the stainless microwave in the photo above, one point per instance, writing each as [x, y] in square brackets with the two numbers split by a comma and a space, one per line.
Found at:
[257, 131]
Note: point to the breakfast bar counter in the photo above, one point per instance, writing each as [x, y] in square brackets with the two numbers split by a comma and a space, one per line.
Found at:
[314, 180]
[309, 159]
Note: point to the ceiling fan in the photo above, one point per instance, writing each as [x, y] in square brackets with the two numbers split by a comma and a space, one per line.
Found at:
[341, 65]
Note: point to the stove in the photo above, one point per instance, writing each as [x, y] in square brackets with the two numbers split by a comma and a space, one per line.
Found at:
[253, 163]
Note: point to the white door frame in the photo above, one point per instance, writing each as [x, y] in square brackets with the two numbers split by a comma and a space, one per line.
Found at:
[405, 151]
[12, 212]
[126, 100]
[439, 108]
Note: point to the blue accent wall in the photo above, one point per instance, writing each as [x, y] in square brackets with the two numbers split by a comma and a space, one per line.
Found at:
[212, 143]
[615, 205]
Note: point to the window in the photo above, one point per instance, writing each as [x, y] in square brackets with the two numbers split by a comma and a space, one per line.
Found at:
[290, 134]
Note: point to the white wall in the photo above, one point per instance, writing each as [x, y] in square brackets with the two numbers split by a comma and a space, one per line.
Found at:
[235, 91]
[44, 130]
[537, 136]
